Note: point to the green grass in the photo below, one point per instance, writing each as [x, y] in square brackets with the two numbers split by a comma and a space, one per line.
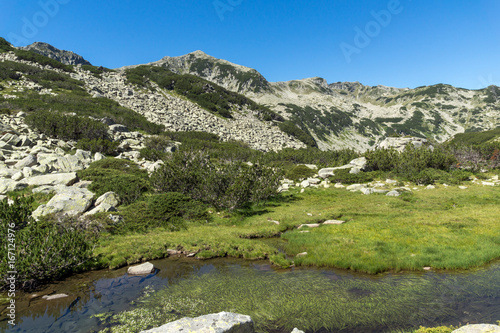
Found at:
[446, 228]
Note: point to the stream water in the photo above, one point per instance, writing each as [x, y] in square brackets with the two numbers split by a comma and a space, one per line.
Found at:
[410, 299]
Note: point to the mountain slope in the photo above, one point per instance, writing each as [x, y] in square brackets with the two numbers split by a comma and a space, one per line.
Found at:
[349, 114]
[32, 82]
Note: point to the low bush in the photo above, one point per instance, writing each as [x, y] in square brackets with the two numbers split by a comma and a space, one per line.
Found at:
[293, 130]
[123, 177]
[157, 147]
[103, 146]
[343, 176]
[430, 176]
[169, 210]
[67, 127]
[44, 251]
[299, 172]
[230, 185]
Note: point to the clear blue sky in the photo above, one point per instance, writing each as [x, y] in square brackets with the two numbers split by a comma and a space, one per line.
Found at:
[413, 43]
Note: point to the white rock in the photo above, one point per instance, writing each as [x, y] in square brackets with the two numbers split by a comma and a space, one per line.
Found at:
[478, 328]
[53, 179]
[110, 198]
[366, 191]
[53, 297]
[393, 194]
[333, 222]
[142, 269]
[17, 176]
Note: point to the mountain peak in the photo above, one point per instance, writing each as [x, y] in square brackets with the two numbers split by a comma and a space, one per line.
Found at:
[66, 57]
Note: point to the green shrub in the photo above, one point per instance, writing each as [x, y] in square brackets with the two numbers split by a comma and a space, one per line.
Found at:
[429, 176]
[67, 127]
[44, 250]
[157, 147]
[123, 177]
[169, 210]
[230, 185]
[293, 130]
[5, 46]
[102, 146]
[343, 176]
[299, 172]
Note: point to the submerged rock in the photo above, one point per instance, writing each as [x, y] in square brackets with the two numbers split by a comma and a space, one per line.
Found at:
[223, 322]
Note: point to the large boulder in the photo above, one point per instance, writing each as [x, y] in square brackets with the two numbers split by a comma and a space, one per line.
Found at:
[478, 328]
[223, 322]
[69, 200]
[400, 143]
[53, 179]
[142, 269]
[110, 198]
[28, 161]
[9, 185]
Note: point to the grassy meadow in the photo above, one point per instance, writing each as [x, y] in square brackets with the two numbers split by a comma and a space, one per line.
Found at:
[443, 228]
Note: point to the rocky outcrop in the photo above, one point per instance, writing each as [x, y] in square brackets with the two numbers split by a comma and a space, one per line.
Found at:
[400, 143]
[223, 322]
[66, 57]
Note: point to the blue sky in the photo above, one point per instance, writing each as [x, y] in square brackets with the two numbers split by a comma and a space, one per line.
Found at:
[405, 43]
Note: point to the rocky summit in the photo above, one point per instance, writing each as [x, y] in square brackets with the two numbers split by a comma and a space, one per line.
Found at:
[66, 57]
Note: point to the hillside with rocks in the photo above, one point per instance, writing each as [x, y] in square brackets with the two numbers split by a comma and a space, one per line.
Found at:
[157, 105]
[349, 114]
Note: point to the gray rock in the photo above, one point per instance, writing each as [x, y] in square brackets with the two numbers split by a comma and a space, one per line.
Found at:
[11, 139]
[333, 222]
[17, 176]
[355, 187]
[326, 172]
[366, 191]
[69, 200]
[119, 128]
[223, 322]
[142, 269]
[7, 173]
[28, 161]
[478, 328]
[393, 194]
[359, 163]
[110, 198]
[66, 179]
[102, 208]
[355, 170]
[9, 185]
[296, 330]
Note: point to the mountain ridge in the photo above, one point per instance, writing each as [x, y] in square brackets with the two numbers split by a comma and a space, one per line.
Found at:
[334, 115]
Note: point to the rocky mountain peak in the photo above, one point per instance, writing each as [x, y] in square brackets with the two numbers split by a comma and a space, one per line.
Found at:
[66, 57]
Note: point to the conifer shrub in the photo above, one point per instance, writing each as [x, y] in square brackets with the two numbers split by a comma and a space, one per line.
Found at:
[67, 127]
[44, 250]
[157, 147]
[171, 211]
[123, 177]
[224, 185]
[299, 172]
[103, 146]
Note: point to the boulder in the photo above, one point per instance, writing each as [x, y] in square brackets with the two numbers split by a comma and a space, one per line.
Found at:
[69, 200]
[355, 187]
[296, 330]
[53, 179]
[17, 176]
[142, 269]
[326, 172]
[119, 128]
[9, 185]
[366, 191]
[478, 328]
[223, 322]
[28, 161]
[359, 163]
[110, 198]
[102, 208]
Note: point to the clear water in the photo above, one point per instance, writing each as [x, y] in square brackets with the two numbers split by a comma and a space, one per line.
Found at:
[450, 298]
